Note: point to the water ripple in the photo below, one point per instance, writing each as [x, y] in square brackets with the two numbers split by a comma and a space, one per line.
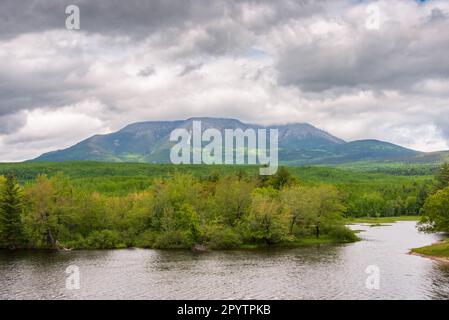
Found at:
[317, 272]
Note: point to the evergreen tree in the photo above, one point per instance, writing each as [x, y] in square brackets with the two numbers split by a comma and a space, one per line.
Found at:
[443, 176]
[282, 178]
[11, 207]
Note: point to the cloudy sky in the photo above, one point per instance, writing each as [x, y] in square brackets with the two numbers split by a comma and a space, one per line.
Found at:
[322, 62]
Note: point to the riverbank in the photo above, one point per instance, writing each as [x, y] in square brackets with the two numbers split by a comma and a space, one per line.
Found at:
[382, 220]
[300, 243]
[438, 251]
[296, 243]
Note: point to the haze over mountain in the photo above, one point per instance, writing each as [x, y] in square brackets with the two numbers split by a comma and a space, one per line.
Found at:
[299, 144]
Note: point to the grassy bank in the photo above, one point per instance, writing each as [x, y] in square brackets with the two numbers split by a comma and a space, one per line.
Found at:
[436, 250]
[381, 220]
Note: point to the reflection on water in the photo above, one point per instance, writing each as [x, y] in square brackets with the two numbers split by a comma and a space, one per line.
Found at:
[318, 272]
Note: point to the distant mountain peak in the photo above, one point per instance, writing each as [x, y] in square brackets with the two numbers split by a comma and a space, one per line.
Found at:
[299, 143]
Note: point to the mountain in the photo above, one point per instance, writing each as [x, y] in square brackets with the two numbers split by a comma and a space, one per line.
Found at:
[299, 143]
[365, 150]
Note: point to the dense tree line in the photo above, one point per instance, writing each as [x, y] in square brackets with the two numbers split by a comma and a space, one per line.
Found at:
[384, 202]
[220, 211]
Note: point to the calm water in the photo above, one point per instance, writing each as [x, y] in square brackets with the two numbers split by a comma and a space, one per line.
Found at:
[320, 272]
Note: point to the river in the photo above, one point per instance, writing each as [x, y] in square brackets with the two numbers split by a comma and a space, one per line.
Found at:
[317, 272]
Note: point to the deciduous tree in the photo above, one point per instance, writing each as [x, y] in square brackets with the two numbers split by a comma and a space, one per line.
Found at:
[435, 213]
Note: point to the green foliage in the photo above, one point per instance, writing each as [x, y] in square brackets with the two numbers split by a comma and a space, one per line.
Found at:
[174, 239]
[442, 178]
[312, 209]
[100, 205]
[267, 221]
[11, 208]
[373, 205]
[222, 237]
[282, 178]
[104, 239]
[342, 233]
[299, 203]
[48, 210]
[329, 208]
[177, 205]
[232, 199]
[435, 213]
[146, 239]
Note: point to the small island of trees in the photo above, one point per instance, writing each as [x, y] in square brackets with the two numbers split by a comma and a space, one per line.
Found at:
[180, 211]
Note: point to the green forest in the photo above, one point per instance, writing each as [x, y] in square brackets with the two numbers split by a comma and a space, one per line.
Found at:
[90, 205]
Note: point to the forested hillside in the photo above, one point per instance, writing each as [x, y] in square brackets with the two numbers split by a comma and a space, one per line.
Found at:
[100, 205]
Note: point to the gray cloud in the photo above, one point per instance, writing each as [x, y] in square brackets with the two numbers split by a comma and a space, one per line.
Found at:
[395, 57]
[190, 68]
[140, 18]
[147, 71]
[11, 122]
[134, 18]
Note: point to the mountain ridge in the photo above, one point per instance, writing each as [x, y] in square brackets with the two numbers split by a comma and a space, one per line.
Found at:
[299, 144]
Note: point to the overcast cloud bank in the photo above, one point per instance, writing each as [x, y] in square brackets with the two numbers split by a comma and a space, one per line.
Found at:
[266, 62]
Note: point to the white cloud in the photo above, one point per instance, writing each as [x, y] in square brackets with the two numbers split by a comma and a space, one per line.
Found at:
[47, 128]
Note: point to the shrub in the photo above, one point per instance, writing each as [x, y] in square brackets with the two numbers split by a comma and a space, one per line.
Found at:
[342, 233]
[104, 239]
[146, 239]
[218, 237]
[175, 239]
[76, 242]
